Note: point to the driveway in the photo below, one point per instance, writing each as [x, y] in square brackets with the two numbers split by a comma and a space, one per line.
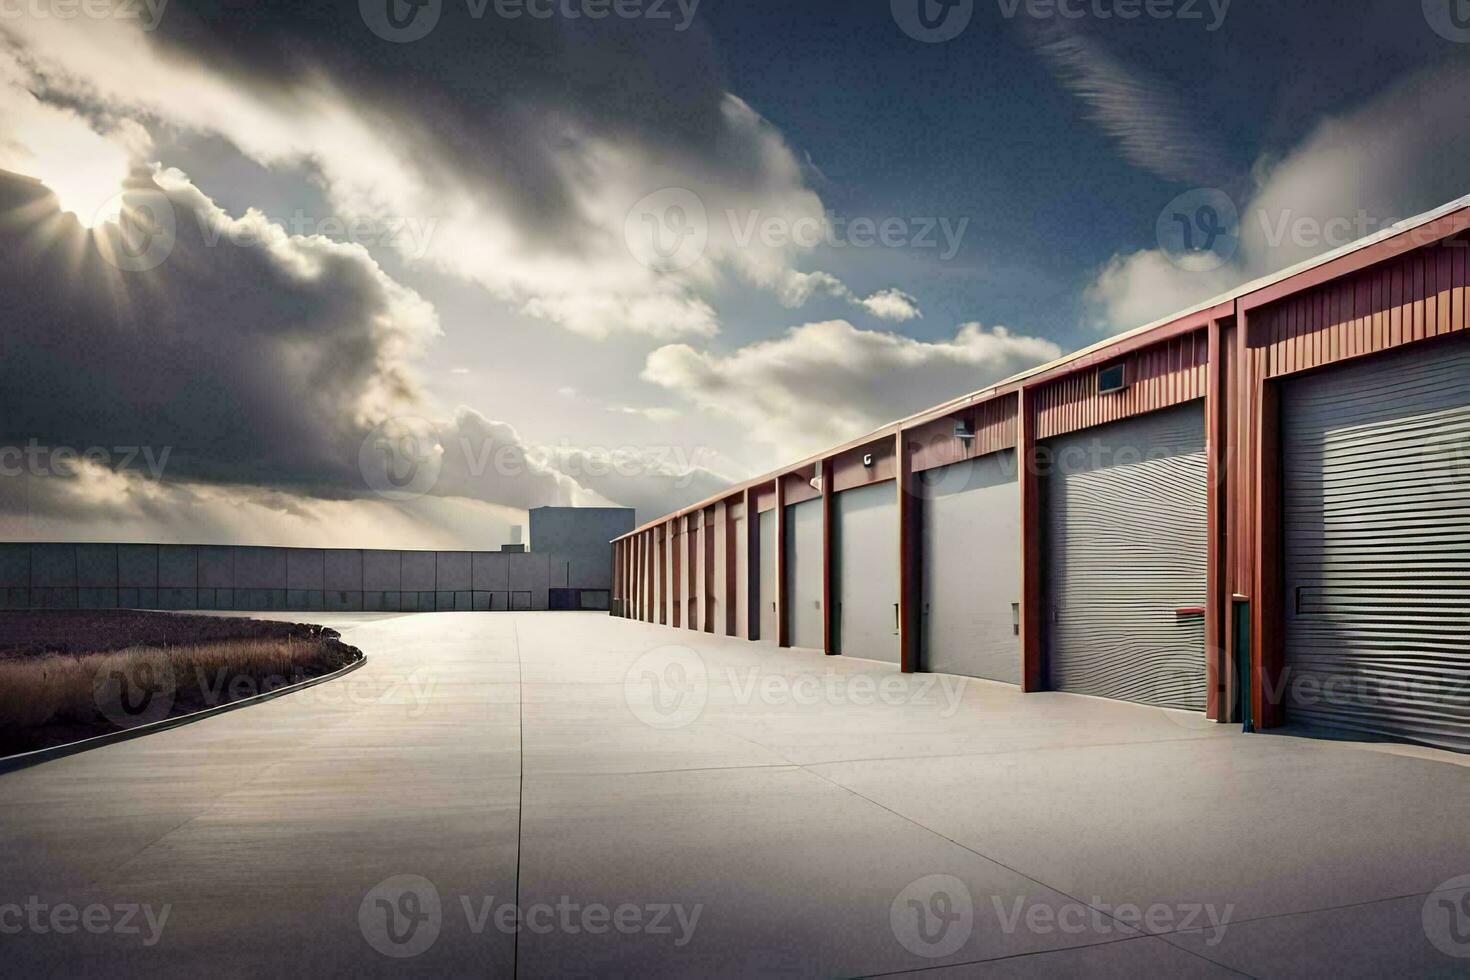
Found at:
[644, 801]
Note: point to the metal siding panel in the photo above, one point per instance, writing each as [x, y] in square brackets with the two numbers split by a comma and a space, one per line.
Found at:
[972, 508]
[865, 560]
[1163, 375]
[1377, 530]
[804, 571]
[1126, 510]
[53, 566]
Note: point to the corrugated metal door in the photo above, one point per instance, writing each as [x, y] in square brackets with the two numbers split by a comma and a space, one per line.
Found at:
[1377, 536]
[768, 576]
[1126, 559]
[865, 558]
[972, 568]
[804, 573]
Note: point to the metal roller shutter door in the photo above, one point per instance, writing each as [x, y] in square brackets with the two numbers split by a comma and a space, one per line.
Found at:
[865, 557]
[804, 573]
[1126, 551]
[1377, 537]
[972, 509]
[767, 573]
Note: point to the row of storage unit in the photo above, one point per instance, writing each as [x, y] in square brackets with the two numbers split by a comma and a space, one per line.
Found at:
[1258, 510]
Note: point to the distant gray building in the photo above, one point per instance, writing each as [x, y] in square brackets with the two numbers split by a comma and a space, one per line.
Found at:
[568, 566]
[582, 536]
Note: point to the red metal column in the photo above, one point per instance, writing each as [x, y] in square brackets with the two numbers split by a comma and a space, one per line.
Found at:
[783, 620]
[633, 577]
[732, 595]
[908, 558]
[1033, 676]
[691, 544]
[663, 574]
[1217, 702]
[707, 546]
[829, 599]
[752, 545]
[676, 590]
[648, 576]
[617, 586]
[1268, 613]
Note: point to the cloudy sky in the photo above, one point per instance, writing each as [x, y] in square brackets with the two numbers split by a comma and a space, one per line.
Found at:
[393, 272]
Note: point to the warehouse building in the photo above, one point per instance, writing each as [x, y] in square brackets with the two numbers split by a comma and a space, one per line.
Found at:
[1258, 509]
[567, 567]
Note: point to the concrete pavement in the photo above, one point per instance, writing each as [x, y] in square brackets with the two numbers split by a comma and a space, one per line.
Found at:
[661, 802]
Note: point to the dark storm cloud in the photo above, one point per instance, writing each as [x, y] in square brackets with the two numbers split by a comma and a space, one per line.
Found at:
[250, 367]
[487, 100]
[281, 365]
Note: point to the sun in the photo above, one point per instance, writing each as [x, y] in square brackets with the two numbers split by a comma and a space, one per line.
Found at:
[90, 189]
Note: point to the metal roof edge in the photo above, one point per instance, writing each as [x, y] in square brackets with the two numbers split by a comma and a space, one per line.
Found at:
[938, 411]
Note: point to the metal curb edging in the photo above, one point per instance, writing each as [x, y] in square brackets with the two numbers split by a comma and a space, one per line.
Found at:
[25, 760]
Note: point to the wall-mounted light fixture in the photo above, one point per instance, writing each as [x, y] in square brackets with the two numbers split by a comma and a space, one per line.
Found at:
[964, 431]
[867, 461]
